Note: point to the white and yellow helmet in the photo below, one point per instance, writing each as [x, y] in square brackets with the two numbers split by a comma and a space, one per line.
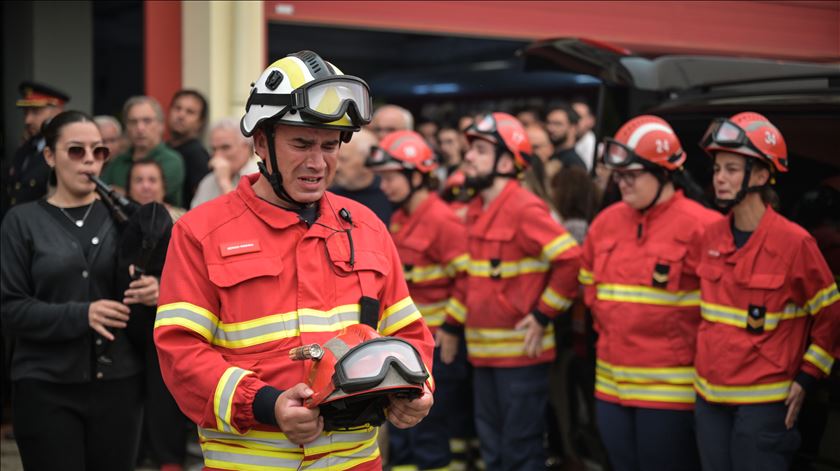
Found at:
[302, 89]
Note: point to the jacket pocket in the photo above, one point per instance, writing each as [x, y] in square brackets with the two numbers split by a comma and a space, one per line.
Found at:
[234, 272]
[601, 263]
[668, 264]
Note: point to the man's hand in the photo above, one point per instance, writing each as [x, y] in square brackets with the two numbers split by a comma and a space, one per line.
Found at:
[448, 344]
[107, 313]
[533, 335]
[222, 172]
[796, 396]
[406, 413]
[144, 290]
[299, 423]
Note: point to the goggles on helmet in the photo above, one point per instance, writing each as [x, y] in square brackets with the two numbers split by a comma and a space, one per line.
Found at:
[381, 159]
[617, 154]
[724, 133]
[486, 129]
[323, 100]
[365, 366]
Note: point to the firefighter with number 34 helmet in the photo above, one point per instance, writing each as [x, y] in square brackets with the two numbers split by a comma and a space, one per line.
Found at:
[770, 307]
[639, 282]
[432, 244]
[275, 265]
[520, 275]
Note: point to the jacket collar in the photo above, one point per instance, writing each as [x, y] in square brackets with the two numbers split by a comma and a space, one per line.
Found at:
[480, 219]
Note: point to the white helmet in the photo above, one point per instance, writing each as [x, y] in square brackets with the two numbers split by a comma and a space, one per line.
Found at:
[303, 89]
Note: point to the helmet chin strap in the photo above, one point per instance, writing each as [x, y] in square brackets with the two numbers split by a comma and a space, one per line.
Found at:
[411, 190]
[275, 178]
[728, 204]
[483, 182]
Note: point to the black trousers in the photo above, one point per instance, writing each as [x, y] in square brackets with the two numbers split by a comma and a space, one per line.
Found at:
[748, 437]
[85, 427]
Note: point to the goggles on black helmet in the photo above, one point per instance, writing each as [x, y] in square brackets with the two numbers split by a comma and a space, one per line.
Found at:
[365, 366]
[323, 100]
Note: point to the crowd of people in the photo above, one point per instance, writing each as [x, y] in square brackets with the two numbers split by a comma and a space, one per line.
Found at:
[468, 240]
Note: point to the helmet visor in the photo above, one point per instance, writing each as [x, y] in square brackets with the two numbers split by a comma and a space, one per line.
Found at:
[329, 99]
[724, 133]
[380, 159]
[365, 366]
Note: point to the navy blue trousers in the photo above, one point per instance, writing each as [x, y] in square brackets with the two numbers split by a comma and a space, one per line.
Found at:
[744, 437]
[426, 445]
[510, 406]
[641, 439]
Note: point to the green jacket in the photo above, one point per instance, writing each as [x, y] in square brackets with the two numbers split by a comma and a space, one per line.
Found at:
[116, 171]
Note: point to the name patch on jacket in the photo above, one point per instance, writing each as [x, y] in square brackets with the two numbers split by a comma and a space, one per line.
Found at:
[237, 248]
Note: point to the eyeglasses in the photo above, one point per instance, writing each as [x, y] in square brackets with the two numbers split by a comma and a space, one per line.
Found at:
[627, 176]
[100, 153]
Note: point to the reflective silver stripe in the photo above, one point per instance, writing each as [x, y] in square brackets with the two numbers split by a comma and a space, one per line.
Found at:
[742, 394]
[738, 317]
[224, 396]
[227, 335]
[483, 268]
[394, 321]
[820, 358]
[647, 295]
[674, 375]
[651, 392]
[317, 322]
[555, 300]
[558, 246]
[228, 459]
[267, 440]
[177, 314]
[425, 273]
[824, 298]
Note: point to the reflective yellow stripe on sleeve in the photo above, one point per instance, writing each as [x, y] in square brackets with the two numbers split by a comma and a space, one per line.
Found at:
[223, 397]
[398, 315]
[556, 301]
[585, 277]
[188, 316]
[422, 274]
[560, 244]
[457, 310]
[458, 264]
[819, 358]
[824, 298]
[434, 313]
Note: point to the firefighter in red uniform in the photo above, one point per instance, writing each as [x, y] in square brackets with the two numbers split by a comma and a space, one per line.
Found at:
[277, 264]
[770, 307]
[521, 274]
[644, 295]
[432, 245]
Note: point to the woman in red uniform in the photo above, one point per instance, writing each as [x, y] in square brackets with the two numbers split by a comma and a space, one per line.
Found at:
[432, 244]
[771, 316]
[640, 284]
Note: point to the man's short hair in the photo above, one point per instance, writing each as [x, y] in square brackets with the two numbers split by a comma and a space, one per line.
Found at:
[232, 124]
[103, 119]
[566, 108]
[408, 118]
[140, 99]
[198, 96]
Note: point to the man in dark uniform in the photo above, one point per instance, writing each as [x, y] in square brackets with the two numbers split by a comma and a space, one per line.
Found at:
[26, 175]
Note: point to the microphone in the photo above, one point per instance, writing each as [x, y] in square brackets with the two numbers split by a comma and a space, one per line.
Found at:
[344, 214]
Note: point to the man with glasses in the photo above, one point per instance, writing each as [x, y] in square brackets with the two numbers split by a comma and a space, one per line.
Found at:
[25, 178]
[143, 119]
[277, 264]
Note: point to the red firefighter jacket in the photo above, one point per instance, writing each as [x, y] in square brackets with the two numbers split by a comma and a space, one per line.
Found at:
[245, 282]
[432, 243]
[641, 286]
[770, 312]
[521, 260]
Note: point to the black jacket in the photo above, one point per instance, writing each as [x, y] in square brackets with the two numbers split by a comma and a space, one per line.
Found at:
[46, 287]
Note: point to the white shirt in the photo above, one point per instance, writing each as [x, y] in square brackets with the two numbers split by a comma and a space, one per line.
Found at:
[585, 148]
[208, 187]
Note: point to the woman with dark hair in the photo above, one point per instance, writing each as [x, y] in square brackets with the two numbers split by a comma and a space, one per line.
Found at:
[575, 198]
[640, 283]
[770, 307]
[76, 379]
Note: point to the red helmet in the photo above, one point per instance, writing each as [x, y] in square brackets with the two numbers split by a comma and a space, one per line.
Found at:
[507, 133]
[403, 150]
[352, 375]
[749, 134]
[644, 139]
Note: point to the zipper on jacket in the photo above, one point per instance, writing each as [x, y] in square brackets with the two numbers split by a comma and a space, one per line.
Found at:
[639, 231]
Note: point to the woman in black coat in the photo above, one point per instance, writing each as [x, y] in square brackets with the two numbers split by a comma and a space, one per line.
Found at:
[76, 383]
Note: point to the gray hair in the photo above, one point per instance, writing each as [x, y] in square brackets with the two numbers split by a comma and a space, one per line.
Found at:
[408, 118]
[105, 119]
[139, 99]
[233, 125]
